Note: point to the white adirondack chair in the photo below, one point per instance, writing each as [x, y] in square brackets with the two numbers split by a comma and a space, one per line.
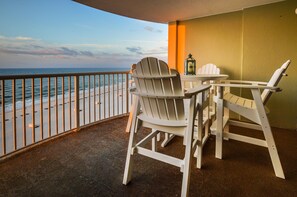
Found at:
[251, 109]
[205, 69]
[208, 69]
[208, 109]
[160, 93]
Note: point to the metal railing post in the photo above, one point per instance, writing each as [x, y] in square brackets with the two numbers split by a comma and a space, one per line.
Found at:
[76, 88]
[3, 118]
[127, 93]
[14, 114]
[33, 109]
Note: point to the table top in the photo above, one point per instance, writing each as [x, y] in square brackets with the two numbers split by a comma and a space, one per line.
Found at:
[204, 77]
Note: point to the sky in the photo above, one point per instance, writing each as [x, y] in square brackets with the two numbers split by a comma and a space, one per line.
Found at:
[64, 33]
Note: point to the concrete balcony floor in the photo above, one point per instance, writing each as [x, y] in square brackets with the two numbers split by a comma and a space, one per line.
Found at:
[91, 163]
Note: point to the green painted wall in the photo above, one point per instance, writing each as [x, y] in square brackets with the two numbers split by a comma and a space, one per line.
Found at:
[250, 45]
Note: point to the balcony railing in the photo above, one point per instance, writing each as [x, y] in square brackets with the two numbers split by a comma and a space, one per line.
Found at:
[36, 108]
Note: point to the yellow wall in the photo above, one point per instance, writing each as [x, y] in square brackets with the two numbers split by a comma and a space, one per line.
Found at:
[248, 44]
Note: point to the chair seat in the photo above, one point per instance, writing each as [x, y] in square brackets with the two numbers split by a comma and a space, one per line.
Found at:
[167, 123]
[243, 102]
[240, 101]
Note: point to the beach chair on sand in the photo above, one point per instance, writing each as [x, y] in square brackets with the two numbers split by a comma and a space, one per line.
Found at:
[252, 109]
[161, 97]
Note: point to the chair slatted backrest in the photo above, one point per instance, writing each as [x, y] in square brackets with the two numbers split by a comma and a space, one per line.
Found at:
[159, 90]
[205, 69]
[274, 80]
[209, 69]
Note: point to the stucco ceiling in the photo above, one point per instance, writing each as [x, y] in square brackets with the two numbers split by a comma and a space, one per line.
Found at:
[164, 11]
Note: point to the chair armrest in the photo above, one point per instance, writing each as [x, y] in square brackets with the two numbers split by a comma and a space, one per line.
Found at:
[244, 82]
[271, 88]
[189, 93]
[162, 96]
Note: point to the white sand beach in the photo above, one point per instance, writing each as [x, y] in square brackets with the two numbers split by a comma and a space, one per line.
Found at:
[91, 110]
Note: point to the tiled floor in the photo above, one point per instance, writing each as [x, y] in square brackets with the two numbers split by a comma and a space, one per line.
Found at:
[91, 163]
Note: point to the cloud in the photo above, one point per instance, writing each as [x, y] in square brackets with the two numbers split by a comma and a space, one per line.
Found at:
[37, 46]
[41, 51]
[67, 51]
[30, 52]
[148, 28]
[18, 38]
[136, 50]
[87, 53]
[149, 52]
[72, 52]
[153, 42]
[94, 46]
[151, 29]
[24, 38]
[29, 46]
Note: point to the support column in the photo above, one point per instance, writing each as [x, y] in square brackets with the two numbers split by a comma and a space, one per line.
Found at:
[176, 45]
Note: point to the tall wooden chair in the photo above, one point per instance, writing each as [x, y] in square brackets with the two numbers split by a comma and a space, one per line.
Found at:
[208, 109]
[210, 69]
[161, 97]
[205, 69]
[252, 109]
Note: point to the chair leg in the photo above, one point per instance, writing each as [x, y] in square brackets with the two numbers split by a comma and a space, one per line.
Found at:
[226, 128]
[135, 108]
[158, 137]
[187, 170]
[199, 135]
[168, 138]
[154, 142]
[219, 132]
[207, 128]
[277, 166]
[128, 127]
[129, 159]
[188, 151]
[199, 155]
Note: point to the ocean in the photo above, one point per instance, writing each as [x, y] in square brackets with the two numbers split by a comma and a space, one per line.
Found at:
[28, 83]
